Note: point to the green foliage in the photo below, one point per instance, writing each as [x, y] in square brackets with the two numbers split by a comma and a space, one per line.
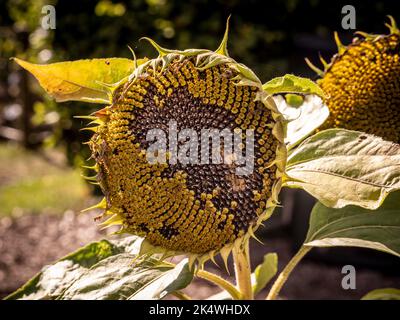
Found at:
[357, 227]
[341, 167]
[106, 270]
[290, 83]
[348, 172]
[265, 272]
[70, 267]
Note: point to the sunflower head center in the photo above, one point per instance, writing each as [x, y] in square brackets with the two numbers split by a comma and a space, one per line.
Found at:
[188, 202]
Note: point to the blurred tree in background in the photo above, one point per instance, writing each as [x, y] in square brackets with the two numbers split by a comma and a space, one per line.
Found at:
[272, 37]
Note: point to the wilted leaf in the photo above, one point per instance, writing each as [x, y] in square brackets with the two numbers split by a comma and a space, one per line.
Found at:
[383, 294]
[265, 272]
[357, 227]
[53, 279]
[303, 118]
[341, 167]
[166, 282]
[81, 80]
[290, 83]
[119, 277]
[106, 270]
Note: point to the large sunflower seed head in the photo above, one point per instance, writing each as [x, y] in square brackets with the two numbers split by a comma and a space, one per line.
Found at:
[199, 206]
[363, 85]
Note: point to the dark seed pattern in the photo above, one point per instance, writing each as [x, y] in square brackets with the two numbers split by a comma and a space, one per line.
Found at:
[192, 207]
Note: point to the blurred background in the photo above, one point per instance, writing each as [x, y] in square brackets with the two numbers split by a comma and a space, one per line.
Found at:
[41, 149]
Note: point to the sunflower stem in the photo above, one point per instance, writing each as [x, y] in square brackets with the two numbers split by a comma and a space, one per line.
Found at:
[181, 296]
[222, 283]
[284, 275]
[241, 260]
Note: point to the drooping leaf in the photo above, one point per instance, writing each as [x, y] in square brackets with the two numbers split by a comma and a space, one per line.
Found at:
[290, 83]
[119, 277]
[341, 167]
[383, 294]
[303, 118]
[265, 272]
[172, 280]
[81, 80]
[106, 270]
[52, 280]
[353, 226]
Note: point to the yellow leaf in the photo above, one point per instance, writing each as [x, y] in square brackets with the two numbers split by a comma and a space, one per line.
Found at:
[81, 80]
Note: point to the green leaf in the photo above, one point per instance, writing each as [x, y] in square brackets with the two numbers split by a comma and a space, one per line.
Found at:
[81, 80]
[290, 83]
[166, 282]
[341, 167]
[45, 284]
[265, 272]
[120, 278]
[303, 118]
[106, 270]
[383, 294]
[357, 227]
